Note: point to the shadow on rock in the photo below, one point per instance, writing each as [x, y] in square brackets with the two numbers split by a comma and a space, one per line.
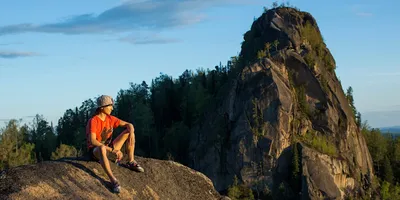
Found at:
[70, 160]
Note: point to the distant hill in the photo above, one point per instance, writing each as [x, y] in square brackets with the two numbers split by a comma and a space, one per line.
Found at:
[391, 129]
[383, 118]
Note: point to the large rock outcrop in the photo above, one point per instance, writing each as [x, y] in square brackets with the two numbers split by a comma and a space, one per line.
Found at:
[80, 179]
[284, 122]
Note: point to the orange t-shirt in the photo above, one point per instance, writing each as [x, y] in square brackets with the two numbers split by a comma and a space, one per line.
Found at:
[103, 129]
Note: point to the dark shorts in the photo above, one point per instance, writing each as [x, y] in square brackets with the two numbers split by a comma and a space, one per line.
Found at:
[91, 155]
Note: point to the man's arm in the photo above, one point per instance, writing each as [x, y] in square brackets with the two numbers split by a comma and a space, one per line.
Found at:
[130, 128]
[96, 143]
[127, 125]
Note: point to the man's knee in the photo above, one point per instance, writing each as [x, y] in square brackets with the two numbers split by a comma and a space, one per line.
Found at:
[100, 152]
[103, 150]
[129, 131]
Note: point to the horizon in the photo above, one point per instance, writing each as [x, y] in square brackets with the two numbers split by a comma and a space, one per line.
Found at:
[53, 60]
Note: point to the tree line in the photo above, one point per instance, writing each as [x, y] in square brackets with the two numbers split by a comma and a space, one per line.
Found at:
[162, 114]
[384, 148]
[385, 152]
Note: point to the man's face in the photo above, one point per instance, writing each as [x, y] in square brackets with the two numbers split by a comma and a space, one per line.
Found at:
[108, 109]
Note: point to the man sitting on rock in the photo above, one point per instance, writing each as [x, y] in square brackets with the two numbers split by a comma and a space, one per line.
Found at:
[99, 131]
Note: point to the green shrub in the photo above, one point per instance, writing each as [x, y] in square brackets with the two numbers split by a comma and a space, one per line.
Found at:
[64, 151]
[324, 83]
[310, 34]
[256, 121]
[385, 190]
[239, 191]
[310, 59]
[267, 47]
[314, 38]
[261, 54]
[319, 143]
[302, 100]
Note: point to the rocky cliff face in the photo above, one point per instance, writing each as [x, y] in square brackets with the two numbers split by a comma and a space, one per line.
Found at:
[80, 179]
[284, 122]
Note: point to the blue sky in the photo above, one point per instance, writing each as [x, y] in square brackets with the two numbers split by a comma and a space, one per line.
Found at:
[54, 55]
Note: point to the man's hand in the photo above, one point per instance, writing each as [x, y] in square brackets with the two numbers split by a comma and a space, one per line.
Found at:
[119, 154]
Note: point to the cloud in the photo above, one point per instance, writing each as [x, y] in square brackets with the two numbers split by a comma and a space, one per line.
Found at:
[150, 39]
[364, 14]
[360, 10]
[388, 74]
[128, 16]
[10, 43]
[10, 54]
[383, 74]
[21, 118]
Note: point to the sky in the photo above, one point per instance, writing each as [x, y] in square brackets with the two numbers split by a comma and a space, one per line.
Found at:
[56, 54]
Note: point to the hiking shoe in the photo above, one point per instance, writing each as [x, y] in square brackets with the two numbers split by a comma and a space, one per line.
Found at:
[134, 166]
[116, 188]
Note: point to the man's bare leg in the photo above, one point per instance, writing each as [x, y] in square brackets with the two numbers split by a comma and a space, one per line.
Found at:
[128, 136]
[131, 146]
[101, 154]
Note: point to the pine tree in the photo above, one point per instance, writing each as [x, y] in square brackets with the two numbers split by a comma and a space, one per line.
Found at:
[267, 48]
[350, 98]
[14, 150]
[387, 170]
[276, 43]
